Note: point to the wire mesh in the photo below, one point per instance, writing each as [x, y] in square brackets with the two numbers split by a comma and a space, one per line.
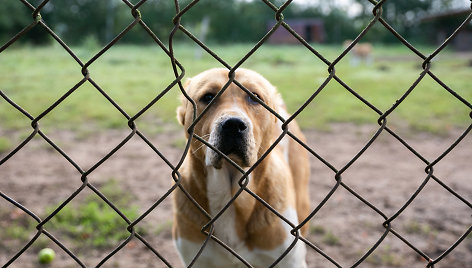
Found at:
[179, 73]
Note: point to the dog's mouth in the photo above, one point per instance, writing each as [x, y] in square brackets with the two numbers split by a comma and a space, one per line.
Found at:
[236, 150]
[232, 138]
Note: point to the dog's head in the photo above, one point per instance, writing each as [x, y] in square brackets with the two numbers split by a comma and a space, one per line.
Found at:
[236, 123]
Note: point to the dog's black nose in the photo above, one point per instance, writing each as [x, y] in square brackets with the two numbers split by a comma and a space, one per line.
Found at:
[233, 126]
[233, 137]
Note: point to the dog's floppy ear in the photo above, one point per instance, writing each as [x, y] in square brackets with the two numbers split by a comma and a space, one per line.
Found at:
[183, 103]
[279, 106]
[181, 111]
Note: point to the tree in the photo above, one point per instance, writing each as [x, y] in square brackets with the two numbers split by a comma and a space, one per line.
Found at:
[400, 14]
[14, 16]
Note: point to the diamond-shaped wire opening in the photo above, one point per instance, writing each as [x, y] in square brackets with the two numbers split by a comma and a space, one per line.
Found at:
[17, 132]
[377, 81]
[452, 171]
[56, 181]
[139, 84]
[263, 39]
[330, 229]
[385, 173]
[193, 20]
[429, 107]
[88, 222]
[18, 228]
[433, 233]
[125, 167]
[448, 69]
[23, 23]
[393, 253]
[456, 255]
[27, 88]
[92, 38]
[454, 23]
[89, 111]
[335, 105]
[158, 225]
[143, 234]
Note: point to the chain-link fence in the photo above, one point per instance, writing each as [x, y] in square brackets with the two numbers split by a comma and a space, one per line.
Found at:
[179, 72]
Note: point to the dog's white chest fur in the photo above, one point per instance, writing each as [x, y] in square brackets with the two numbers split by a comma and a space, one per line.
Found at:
[219, 185]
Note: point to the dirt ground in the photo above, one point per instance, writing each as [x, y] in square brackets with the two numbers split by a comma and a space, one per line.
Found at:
[386, 175]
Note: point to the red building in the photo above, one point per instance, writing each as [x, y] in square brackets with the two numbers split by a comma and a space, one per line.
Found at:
[445, 24]
[312, 30]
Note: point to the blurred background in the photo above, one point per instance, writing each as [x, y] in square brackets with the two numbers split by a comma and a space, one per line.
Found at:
[240, 21]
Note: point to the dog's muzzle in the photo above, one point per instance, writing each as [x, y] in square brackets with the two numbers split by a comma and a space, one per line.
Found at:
[231, 137]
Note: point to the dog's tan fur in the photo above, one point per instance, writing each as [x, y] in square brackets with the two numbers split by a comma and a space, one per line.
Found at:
[283, 184]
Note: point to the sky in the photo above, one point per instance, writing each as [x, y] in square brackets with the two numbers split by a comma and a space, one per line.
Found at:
[349, 6]
[353, 9]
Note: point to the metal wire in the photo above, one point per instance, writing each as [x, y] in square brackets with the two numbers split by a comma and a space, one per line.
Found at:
[179, 72]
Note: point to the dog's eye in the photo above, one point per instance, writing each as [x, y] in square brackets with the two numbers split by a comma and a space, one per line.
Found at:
[207, 98]
[253, 100]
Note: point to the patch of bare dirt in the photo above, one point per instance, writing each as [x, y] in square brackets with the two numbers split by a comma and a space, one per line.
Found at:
[386, 175]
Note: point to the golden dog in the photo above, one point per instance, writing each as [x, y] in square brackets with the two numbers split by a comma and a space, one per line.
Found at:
[242, 129]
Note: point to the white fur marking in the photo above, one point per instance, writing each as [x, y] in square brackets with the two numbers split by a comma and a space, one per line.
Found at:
[212, 256]
[219, 194]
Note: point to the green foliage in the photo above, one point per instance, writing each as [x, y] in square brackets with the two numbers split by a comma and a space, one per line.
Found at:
[330, 239]
[230, 20]
[326, 236]
[386, 259]
[384, 256]
[19, 232]
[317, 229]
[16, 227]
[94, 223]
[414, 227]
[15, 16]
[88, 223]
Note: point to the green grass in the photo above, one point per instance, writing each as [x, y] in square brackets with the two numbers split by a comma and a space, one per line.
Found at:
[93, 222]
[5, 144]
[131, 75]
[19, 232]
[16, 228]
[84, 224]
[165, 226]
[384, 256]
[414, 227]
[327, 237]
[317, 229]
[330, 239]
